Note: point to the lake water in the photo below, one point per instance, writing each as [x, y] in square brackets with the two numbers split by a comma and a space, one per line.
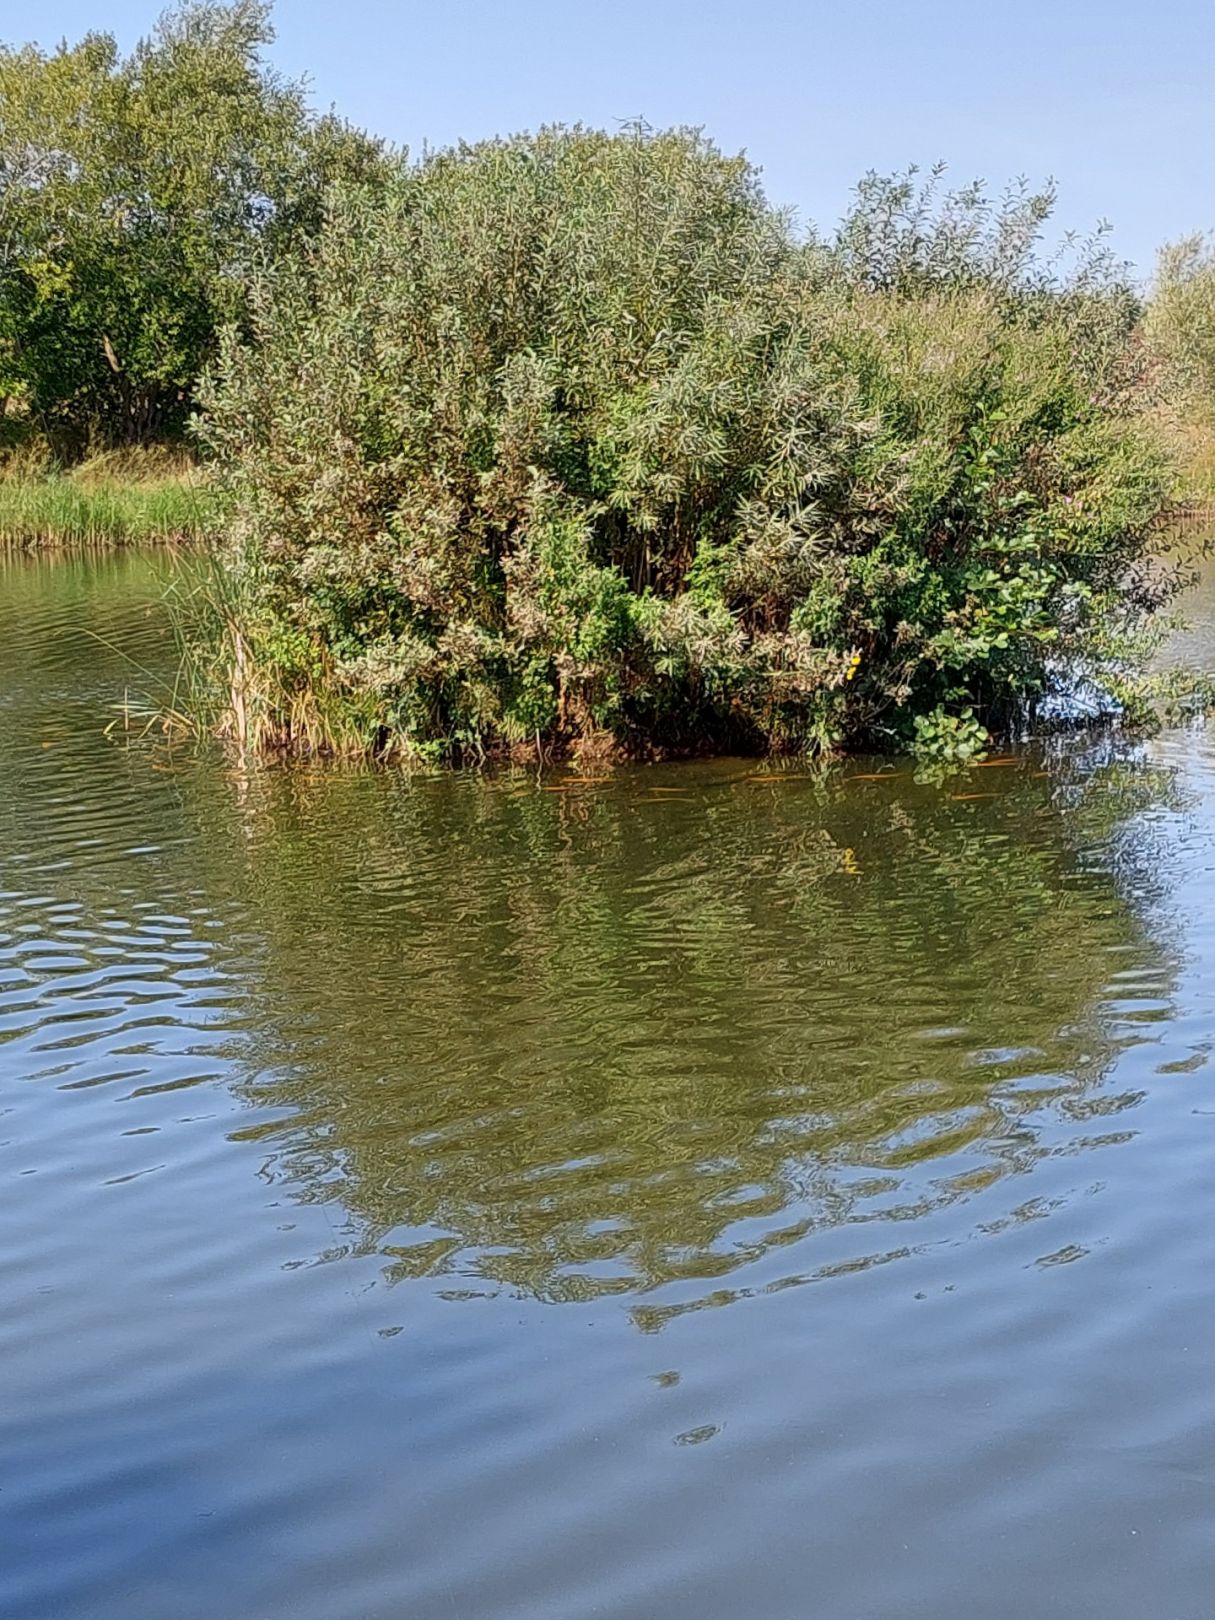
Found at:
[707, 1191]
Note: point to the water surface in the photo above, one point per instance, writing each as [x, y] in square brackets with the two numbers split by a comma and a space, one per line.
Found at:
[697, 1191]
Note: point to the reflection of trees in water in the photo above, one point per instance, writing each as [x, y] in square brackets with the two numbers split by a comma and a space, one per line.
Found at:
[591, 1040]
[596, 1039]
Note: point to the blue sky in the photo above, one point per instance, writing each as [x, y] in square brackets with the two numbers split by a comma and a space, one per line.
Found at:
[1116, 101]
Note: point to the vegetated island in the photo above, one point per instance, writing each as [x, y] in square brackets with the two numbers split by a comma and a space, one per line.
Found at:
[572, 441]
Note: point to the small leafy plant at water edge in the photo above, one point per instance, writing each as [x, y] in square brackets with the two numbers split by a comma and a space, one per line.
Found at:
[951, 738]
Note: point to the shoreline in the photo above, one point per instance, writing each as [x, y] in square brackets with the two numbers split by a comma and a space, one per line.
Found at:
[92, 505]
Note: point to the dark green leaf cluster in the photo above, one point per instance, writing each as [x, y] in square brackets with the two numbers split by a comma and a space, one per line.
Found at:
[136, 196]
[569, 439]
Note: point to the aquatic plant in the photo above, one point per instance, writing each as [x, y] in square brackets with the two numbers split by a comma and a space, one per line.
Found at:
[135, 496]
[570, 440]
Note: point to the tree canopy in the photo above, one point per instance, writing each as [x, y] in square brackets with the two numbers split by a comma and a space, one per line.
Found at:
[137, 194]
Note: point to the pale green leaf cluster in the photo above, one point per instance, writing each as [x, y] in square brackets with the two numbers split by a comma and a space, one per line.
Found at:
[1180, 322]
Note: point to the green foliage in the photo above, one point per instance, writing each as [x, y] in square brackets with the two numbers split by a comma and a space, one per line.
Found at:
[951, 738]
[1180, 326]
[567, 439]
[136, 195]
[133, 496]
[1181, 319]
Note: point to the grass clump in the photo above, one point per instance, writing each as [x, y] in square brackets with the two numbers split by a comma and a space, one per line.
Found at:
[570, 441]
[122, 497]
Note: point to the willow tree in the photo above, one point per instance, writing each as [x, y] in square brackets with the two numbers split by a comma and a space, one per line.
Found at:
[1180, 326]
[569, 439]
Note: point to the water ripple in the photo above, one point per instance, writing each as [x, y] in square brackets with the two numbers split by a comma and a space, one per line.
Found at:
[691, 1191]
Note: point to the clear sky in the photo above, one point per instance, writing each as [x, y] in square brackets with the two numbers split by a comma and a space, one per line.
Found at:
[1116, 101]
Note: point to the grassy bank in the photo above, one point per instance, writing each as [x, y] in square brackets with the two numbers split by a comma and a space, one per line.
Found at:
[116, 499]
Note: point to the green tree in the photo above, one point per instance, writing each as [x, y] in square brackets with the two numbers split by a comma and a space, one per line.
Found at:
[136, 196]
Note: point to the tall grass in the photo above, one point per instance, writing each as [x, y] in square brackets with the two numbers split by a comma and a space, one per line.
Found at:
[117, 499]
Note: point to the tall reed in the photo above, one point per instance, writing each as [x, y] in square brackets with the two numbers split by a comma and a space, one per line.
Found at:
[108, 501]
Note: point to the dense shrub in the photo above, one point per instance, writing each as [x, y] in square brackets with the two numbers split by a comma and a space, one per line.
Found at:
[1180, 326]
[1181, 319]
[570, 439]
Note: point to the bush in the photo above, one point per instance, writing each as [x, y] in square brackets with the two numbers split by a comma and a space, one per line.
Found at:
[570, 440]
[1181, 319]
[1180, 324]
